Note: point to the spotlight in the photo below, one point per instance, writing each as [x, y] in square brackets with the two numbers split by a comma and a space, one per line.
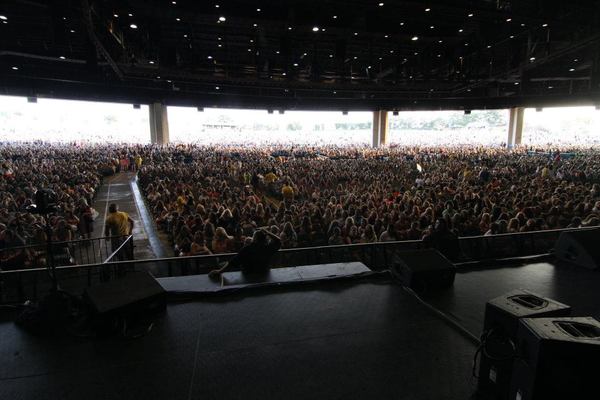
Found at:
[467, 112]
[133, 26]
[539, 109]
[200, 109]
[270, 111]
[137, 106]
[222, 19]
[396, 113]
[281, 111]
[32, 99]
[345, 112]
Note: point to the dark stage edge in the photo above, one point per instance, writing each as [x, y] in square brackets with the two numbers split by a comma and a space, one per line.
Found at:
[363, 339]
[566, 283]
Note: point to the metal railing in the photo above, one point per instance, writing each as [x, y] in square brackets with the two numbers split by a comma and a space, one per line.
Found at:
[73, 252]
[18, 285]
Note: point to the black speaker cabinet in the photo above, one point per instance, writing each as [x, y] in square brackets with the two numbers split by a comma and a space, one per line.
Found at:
[137, 294]
[424, 270]
[500, 327]
[581, 248]
[558, 359]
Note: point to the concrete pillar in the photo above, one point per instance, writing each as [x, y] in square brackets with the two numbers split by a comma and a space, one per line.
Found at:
[380, 128]
[510, 141]
[515, 127]
[383, 129]
[376, 125]
[519, 126]
[159, 123]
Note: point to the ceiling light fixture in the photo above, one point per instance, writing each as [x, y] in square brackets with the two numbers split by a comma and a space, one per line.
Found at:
[508, 19]
[470, 15]
[222, 19]
[427, 9]
[62, 57]
[116, 15]
[381, 4]
[151, 62]
[415, 38]
[315, 29]
[132, 26]
[3, 17]
[571, 69]
[217, 88]
[15, 68]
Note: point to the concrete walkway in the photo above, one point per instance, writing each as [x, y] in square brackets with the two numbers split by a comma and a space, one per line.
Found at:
[123, 190]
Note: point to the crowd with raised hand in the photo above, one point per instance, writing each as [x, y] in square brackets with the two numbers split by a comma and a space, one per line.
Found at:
[210, 199]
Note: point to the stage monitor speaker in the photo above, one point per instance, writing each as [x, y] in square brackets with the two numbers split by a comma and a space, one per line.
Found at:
[424, 270]
[501, 322]
[581, 248]
[137, 294]
[558, 359]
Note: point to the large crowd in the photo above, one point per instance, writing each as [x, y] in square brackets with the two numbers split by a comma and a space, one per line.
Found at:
[72, 174]
[211, 199]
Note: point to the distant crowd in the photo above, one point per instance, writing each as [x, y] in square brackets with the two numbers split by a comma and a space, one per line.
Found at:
[211, 199]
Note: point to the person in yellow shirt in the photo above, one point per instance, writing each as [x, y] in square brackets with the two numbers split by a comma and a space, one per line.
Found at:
[138, 162]
[287, 192]
[270, 177]
[117, 227]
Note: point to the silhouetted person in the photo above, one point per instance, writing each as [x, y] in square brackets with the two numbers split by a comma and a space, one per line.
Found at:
[443, 240]
[255, 258]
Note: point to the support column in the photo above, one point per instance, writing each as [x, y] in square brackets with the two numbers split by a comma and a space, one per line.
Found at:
[515, 127]
[519, 126]
[159, 123]
[380, 128]
[376, 125]
[383, 129]
[510, 141]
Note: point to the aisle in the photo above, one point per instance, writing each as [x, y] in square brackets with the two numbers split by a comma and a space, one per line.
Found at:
[123, 190]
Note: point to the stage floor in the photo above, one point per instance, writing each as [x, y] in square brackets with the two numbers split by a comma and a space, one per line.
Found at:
[359, 339]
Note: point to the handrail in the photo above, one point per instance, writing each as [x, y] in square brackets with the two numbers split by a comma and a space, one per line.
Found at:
[303, 249]
[114, 253]
[69, 242]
